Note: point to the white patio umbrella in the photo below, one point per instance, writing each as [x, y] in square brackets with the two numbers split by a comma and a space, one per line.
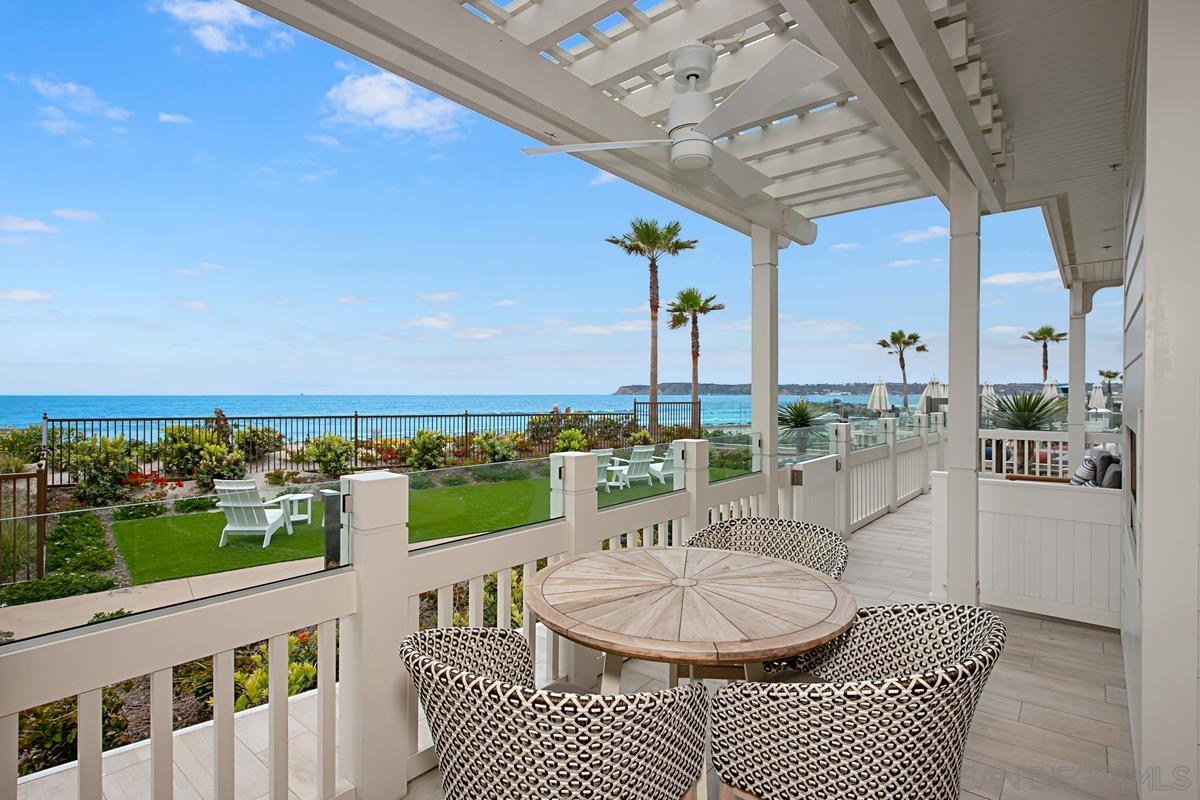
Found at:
[1097, 400]
[934, 390]
[1050, 390]
[879, 397]
[988, 395]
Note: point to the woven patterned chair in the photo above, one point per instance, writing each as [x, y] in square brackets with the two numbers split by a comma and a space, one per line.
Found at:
[890, 722]
[801, 542]
[496, 737]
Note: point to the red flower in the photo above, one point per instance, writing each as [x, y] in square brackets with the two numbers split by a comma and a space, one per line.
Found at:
[303, 636]
[178, 484]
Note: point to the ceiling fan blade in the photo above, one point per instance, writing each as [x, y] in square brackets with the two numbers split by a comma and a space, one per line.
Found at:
[792, 68]
[583, 148]
[737, 174]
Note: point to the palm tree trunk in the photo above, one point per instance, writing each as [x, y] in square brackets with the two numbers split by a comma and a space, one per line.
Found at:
[1045, 361]
[695, 375]
[904, 379]
[653, 421]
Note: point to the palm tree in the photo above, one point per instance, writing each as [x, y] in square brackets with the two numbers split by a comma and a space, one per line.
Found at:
[651, 241]
[896, 344]
[1027, 411]
[796, 419]
[1045, 335]
[687, 308]
[1108, 376]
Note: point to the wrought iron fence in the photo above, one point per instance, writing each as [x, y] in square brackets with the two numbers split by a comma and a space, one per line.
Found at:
[170, 446]
[675, 416]
[22, 526]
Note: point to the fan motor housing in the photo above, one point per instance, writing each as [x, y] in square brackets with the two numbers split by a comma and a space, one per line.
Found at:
[691, 150]
[693, 60]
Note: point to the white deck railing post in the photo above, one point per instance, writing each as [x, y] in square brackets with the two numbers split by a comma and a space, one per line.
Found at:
[937, 423]
[889, 475]
[815, 499]
[695, 482]
[926, 465]
[839, 442]
[573, 496]
[374, 694]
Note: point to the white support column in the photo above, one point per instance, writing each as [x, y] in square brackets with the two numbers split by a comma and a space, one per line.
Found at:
[926, 462]
[839, 441]
[764, 355]
[889, 438]
[573, 496]
[1077, 398]
[962, 495]
[695, 481]
[372, 734]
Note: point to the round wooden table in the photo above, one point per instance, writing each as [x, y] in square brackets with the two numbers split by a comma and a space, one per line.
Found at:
[689, 606]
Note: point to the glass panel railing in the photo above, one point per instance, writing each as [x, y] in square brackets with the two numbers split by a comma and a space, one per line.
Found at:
[625, 474]
[731, 456]
[866, 433]
[457, 501]
[802, 444]
[906, 428]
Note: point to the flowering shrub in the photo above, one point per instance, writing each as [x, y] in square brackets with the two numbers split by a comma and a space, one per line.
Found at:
[99, 468]
[330, 453]
[48, 732]
[428, 449]
[182, 447]
[494, 447]
[257, 442]
[218, 462]
[279, 477]
[250, 683]
[570, 439]
[640, 437]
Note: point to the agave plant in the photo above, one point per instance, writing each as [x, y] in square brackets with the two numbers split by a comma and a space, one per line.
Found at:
[1027, 411]
[795, 419]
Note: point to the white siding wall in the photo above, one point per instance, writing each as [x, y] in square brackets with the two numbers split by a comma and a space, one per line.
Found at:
[1162, 380]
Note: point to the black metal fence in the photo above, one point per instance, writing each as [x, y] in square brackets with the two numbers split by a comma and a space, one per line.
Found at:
[675, 415]
[22, 534]
[167, 445]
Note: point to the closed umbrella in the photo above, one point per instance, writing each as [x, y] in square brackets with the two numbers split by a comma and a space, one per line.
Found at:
[1050, 390]
[988, 395]
[1097, 401]
[934, 390]
[879, 398]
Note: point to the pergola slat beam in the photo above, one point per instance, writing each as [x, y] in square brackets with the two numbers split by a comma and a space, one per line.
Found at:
[920, 44]
[643, 50]
[880, 167]
[550, 22]
[862, 144]
[454, 53]
[839, 36]
[858, 202]
[803, 130]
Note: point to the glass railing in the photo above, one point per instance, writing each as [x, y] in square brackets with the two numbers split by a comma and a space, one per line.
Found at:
[731, 456]
[457, 501]
[625, 474]
[802, 444]
[906, 428]
[866, 433]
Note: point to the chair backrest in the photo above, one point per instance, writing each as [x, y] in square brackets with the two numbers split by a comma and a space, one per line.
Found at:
[242, 504]
[891, 722]
[639, 460]
[499, 738]
[603, 460]
[801, 542]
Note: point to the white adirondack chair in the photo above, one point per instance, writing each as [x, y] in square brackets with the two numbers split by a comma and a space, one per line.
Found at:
[603, 461]
[246, 514]
[636, 468]
[663, 467]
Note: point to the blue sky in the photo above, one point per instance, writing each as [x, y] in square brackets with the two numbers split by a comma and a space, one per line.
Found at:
[196, 199]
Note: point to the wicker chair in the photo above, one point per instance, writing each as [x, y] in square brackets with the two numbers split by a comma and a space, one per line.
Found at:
[891, 721]
[802, 542]
[496, 737]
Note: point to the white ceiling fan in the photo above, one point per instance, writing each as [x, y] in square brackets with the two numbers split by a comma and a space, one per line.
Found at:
[692, 122]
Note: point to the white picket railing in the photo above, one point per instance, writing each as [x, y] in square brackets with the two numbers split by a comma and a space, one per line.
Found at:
[385, 575]
[1033, 453]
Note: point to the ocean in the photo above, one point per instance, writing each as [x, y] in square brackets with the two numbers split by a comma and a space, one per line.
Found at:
[28, 409]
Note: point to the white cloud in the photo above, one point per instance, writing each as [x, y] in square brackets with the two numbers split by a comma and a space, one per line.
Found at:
[438, 297]
[11, 224]
[440, 321]
[505, 303]
[316, 177]
[932, 232]
[77, 97]
[189, 304]
[351, 300]
[904, 262]
[174, 119]
[1015, 278]
[15, 241]
[628, 326]
[388, 102]
[76, 214]
[842, 247]
[602, 178]
[478, 334]
[325, 140]
[196, 272]
[1005, 329]
[384, 337]
[220, 26]
[25, 295]
[55, 122]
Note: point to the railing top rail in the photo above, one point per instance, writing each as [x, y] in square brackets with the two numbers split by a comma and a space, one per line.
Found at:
[350, 416]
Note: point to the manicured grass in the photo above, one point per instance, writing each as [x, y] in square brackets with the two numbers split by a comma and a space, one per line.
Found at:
[184, 545]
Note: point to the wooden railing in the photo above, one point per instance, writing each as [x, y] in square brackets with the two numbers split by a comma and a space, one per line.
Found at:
[1033, 453]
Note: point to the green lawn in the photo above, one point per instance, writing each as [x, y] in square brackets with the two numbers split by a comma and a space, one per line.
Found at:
[183, 545]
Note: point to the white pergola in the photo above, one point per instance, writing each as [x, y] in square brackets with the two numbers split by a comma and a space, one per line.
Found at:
[913, 110]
